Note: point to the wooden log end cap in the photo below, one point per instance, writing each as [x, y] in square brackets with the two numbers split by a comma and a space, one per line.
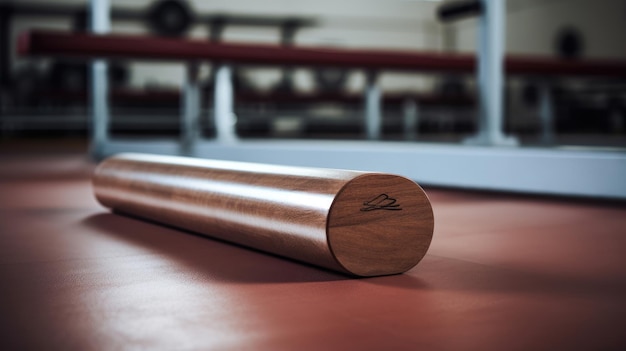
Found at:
[379, 224]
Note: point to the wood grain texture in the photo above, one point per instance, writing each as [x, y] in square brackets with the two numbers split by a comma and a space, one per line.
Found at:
[392, 228]
[365, 224]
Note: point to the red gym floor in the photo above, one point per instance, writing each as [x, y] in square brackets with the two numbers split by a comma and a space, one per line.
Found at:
[504, 272]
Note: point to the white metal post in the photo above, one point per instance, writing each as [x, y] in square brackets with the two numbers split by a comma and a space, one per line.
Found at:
[225, 119]
[191, 110]
[373, 108]
[411, 118]
[546, 113]
[492, 29]
[100, 24]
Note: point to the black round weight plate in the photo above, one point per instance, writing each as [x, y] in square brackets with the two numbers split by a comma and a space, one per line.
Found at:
[569, 43]
[170, 18]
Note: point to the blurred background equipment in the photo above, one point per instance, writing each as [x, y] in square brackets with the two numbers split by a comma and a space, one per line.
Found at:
[171, 18]
[330, 79]
[569, 43]
[455, 10]
[398, 75]
[68, 76]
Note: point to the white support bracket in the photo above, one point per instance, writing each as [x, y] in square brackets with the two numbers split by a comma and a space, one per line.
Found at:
[546, 113]
[190, 125]
[411, 118]
[492, 27]
[224, 114]
[373, 107]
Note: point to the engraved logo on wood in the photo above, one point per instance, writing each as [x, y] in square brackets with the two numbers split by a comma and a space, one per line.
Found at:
[381, 202]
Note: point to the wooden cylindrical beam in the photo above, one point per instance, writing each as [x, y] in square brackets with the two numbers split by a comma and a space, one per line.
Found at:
[364, 224]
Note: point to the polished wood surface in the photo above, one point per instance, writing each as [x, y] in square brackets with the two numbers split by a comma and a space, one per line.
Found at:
[504, 272]
[359, 223]
[388, 232]
[79, 45]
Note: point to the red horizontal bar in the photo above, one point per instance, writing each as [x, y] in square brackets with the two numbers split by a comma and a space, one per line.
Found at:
[77, 45]
[142, 47]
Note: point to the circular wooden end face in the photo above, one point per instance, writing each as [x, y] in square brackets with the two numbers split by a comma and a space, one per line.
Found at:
[380, 224]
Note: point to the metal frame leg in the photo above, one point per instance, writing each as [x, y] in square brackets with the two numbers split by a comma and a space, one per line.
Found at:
[373, 108]
[225, 119]
[191, 110]
[616, 118]
[100, 23]
[411, 118]
[546, 113]
[491, 75]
